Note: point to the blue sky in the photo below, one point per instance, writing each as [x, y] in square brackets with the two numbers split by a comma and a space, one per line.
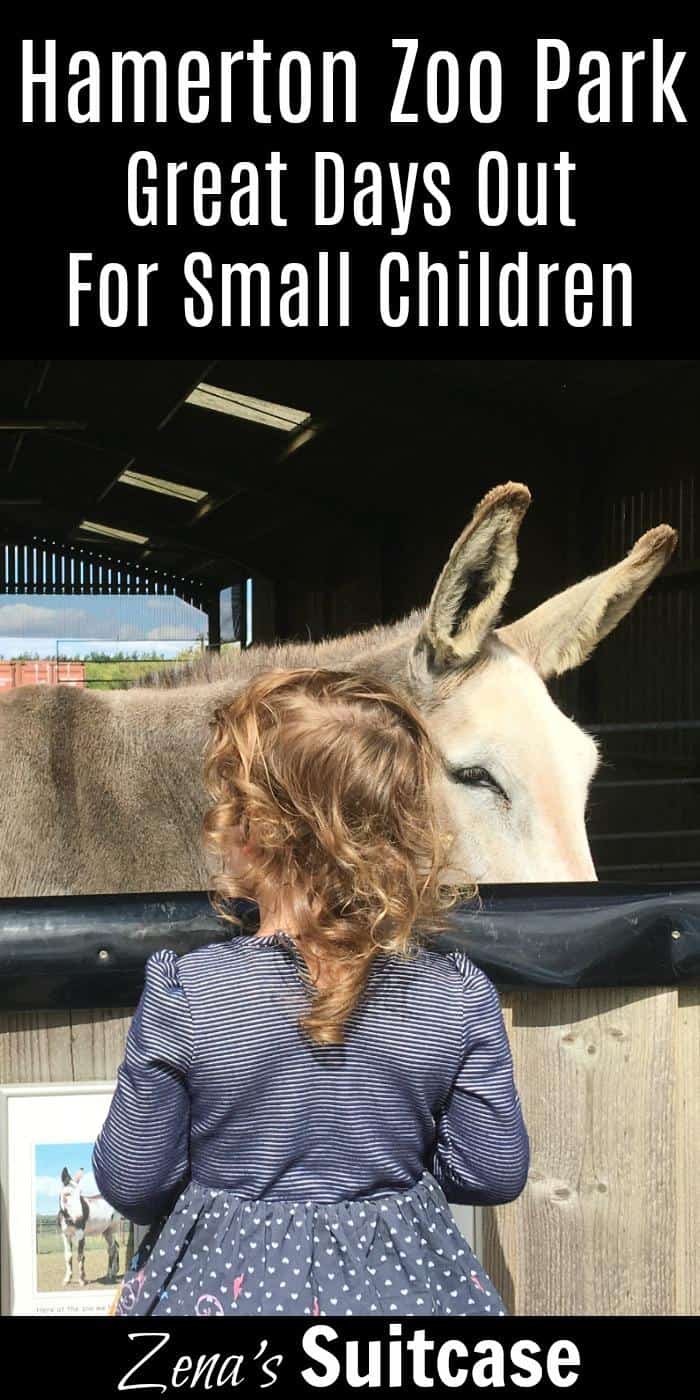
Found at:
[73, 624]
[49, 1161]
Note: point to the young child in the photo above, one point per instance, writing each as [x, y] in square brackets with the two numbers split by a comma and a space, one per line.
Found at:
[297, 1105]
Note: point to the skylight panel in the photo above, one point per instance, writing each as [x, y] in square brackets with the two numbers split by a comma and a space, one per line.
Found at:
[112, 532]
[162, 486]
[272, 415]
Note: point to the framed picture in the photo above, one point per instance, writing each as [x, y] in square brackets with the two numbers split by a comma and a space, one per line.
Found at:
[63, 1247]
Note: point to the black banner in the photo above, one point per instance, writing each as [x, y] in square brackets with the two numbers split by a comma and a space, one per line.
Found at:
[470, 188]
[339, 1356]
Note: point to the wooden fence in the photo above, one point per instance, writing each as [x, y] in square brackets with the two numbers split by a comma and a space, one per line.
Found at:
[610, 1084]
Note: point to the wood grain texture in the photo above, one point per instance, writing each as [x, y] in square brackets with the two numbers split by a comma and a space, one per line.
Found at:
[688, 1151]
[595, 1228]
[98, 1039]
[55, 1046]
[35, 1047]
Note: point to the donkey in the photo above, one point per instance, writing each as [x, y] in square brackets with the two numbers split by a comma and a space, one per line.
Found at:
[103, 792]
[80, 1216]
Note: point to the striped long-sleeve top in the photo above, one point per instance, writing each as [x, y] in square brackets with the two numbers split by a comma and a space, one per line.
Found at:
[219, 1085]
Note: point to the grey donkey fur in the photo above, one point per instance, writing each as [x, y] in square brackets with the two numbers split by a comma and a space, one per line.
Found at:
[102, 792]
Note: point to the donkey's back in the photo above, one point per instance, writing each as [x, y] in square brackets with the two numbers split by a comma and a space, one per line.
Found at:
[100, 792]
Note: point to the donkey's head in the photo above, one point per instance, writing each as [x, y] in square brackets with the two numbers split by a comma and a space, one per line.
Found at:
[69, 1196]
[517, 770]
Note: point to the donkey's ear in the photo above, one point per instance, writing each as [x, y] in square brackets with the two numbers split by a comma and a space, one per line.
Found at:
[65, 1176]
[563, 632]
[472, 587]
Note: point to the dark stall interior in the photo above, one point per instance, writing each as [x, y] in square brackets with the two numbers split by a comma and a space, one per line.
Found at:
[340, 489]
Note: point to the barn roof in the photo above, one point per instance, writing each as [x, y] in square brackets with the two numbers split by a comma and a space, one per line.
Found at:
[129, 458]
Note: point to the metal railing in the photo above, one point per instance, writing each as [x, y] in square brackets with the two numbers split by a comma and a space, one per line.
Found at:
[642, 782]
[145, 664]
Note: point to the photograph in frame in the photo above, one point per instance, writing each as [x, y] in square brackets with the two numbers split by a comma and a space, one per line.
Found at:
[64, 1248]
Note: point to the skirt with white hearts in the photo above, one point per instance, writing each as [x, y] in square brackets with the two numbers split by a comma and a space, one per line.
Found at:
[221, 1254]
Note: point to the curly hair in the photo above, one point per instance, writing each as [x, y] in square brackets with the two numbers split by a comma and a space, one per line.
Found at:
[327, 777]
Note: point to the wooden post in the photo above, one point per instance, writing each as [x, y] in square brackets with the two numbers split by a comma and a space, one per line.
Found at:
[214, 616]
[264, 614]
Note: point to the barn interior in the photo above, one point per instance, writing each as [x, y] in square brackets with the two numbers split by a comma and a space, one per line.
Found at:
[338, 488]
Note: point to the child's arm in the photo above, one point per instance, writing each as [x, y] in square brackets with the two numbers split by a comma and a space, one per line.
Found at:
[141, 1156]
[482, 1151]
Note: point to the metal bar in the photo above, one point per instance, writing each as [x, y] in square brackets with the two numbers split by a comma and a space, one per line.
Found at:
[213, 610]
[90, 950]
[46, 425]
[649, 726]
[645, 782]
[654, 865]
[642, 835]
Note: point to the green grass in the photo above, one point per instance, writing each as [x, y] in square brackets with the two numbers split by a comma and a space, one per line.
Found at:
[50, 1264]
[114, 675]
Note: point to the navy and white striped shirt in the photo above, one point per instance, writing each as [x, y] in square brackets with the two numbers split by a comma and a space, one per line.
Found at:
[219, 1085]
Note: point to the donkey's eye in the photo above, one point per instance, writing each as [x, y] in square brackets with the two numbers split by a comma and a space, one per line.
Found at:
[477, 777]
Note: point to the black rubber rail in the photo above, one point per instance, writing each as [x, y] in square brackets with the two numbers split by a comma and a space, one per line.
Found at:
[88, 951]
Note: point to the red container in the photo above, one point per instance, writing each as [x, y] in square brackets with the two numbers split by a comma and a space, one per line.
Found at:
[13, 673]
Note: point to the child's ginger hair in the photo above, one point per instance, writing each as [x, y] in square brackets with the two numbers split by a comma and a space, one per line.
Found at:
[328, 776]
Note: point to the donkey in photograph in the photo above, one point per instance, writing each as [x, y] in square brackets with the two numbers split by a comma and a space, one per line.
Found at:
[102, 792]
[80, 1216]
